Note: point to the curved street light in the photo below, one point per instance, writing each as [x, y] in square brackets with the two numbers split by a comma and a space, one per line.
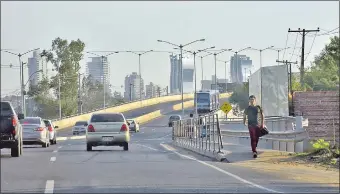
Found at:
[102, 57]
[181, 51]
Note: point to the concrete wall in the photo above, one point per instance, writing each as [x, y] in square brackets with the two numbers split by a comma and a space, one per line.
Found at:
[322, 110]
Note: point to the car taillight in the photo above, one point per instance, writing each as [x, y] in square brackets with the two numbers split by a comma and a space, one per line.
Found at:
[50, 128]
[39, 129]
[90, 128]
[14, 121]
[124, 127]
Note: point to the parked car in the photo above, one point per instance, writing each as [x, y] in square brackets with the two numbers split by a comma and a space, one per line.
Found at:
[133, 125]
[35, 132]
[107, 129]
[79, 127]
[173, 118]
[52, 130]
[10, 129]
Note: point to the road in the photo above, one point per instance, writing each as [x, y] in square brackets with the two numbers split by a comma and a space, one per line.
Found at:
[151, 165]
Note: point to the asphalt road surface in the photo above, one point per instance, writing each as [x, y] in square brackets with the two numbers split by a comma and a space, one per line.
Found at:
[151, 165]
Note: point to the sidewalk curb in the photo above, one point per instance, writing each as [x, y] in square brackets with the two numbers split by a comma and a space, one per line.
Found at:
[220, 157]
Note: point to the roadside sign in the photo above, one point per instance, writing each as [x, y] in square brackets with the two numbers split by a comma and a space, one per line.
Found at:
[226, 107]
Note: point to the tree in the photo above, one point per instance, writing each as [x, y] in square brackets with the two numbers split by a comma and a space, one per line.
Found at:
[240, 96]
[65, 58]
[324, 71]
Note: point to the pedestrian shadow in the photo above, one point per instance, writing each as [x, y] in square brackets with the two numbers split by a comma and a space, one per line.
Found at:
[239, 153]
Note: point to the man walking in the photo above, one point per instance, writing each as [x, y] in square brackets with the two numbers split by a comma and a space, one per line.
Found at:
[255, 117]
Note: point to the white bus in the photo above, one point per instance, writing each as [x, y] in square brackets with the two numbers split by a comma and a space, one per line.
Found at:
[207, 101]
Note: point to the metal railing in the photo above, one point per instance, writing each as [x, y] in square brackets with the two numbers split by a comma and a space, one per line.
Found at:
[202, 133]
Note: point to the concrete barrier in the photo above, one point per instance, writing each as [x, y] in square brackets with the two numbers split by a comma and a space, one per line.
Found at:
[68, 122]
[186, 104]
[148, 117]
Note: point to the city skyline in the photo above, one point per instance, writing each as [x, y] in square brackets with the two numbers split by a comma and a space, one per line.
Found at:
[132, 37]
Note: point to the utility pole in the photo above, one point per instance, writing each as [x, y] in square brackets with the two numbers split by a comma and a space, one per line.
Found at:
[302, 68]
[80, 102]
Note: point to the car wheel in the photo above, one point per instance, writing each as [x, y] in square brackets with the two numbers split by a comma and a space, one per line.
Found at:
[55, 140]
[126, 146]
[88, 147]
[21, 145]
[44, 145]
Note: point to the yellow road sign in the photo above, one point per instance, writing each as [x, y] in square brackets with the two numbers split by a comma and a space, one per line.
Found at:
[226, 107]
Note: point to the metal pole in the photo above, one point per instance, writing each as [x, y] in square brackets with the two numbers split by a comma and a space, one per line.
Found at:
[236, 65]
[23, 104]
[181, 48]
[140, 78]
[202, 73]
[260, 58]
[195, 96]
[215, 72]
[278, 56]
[225, 73]
[59, 90]
[104, 88]
[79, 95]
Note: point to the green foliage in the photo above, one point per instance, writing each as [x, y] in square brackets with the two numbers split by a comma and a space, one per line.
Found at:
[323, 75]
[65, 58]
[321, 144]
[240, 96]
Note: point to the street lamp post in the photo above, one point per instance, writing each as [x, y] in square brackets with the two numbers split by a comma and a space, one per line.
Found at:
[181, 51]
[261, 72]
[236, 61]
[29, 78]
[202, 68]
[23, 105]
[225, 70]
[140, 71]
[104, 80]
[278, 50]
[194, 53]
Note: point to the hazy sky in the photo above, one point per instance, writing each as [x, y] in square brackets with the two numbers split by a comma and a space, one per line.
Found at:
[110, 26]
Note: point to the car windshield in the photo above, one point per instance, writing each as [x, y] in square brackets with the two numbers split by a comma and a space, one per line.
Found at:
[30, 121]
[203, 97]
[79, 123]
[107, 118]
[131, 121]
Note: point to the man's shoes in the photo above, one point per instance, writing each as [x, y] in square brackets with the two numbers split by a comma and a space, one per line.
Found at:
[254, 155]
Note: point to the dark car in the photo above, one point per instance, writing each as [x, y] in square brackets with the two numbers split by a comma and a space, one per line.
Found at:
[10, 129]
[173, 118]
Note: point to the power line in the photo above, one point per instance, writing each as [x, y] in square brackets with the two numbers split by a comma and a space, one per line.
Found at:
[284, 52]
[311, 47]
[302, 68]
[297, 35]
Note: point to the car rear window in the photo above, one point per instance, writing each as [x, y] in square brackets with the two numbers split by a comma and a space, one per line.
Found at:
[174, 118]
[30, 121]
[131, 121]
[6, 109]
[107, 118]
[79, 123]
[47, 123]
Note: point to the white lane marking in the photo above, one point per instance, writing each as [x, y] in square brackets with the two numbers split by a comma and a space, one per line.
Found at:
[54, 151]
[153, 129]
[69, 144]
[61, 138]
[78, 137]
[60, 147]
[142, 132]
[49, 187]
[220, 170]
[147, 147]
[53, 159]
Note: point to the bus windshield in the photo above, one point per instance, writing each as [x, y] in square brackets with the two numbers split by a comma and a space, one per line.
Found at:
[203, 97]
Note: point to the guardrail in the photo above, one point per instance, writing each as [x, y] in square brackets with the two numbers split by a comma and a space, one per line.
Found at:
[201, 135]
[285, 134]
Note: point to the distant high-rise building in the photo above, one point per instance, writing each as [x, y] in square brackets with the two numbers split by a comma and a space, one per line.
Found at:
[175, 74]
[151, 90]
[133, 85]
[97, 69]
[34, 65]
[239, 67]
